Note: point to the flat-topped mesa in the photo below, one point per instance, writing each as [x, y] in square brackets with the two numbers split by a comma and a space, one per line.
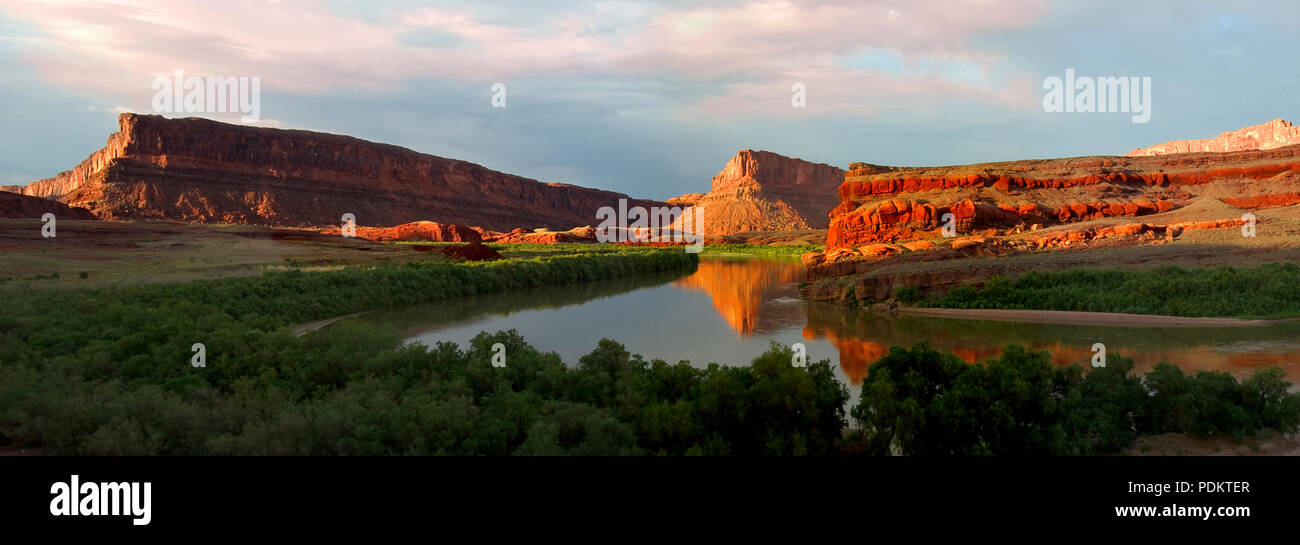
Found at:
[763, 191]
[1277, 133]
[206, 171]
[894, 204]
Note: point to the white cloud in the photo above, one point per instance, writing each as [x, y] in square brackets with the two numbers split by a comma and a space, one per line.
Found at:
[114, 49]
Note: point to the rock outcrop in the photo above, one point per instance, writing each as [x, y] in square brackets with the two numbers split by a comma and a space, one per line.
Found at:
[13, 205]
[894, 204]
[205, 171]
[584, 234]
[1277, 133]
[418, 231]
[764, 191]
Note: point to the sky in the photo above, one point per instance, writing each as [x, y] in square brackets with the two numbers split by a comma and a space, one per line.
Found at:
[651, 98]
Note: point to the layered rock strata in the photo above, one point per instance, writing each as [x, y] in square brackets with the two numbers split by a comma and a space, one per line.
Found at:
[894, 204]
[204, 171]
[764, 191]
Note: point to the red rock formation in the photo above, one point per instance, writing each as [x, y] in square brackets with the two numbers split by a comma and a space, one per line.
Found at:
[1263, 201]
[891, 204]
[848, 261]
[420, 230]
[688, 199]
[763, 191]
[584, 234]
[1274, 134]
[13, 205]
[201, 170]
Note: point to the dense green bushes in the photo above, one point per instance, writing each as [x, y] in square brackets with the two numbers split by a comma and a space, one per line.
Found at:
[340, 392]
[1261, 292]
[108, 372]
[920, 401]
[78, 368]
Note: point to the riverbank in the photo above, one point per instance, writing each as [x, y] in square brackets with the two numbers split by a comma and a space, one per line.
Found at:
[1063, 317]
[1256, 293]
[1262, 292]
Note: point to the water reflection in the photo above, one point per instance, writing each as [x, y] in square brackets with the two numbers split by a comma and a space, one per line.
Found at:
[753, 296]
[465, 311]
[861, 338]
[729, 310]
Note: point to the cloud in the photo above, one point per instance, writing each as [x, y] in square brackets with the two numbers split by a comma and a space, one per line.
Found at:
[727, 58]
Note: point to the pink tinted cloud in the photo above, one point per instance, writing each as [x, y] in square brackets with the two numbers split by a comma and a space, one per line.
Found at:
[766, 35]
[302, 47]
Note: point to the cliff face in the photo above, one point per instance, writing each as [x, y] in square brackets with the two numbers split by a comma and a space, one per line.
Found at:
[1274, 134]
[763, 191]
[205, 171]
[889, 204]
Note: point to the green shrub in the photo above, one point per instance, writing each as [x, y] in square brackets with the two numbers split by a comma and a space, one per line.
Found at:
[1262, 292]
[909, 295]
[923, 402]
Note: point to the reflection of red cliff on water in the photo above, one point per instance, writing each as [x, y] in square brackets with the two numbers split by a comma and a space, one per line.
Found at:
[856, 355]
[862, 338]
[738, 286]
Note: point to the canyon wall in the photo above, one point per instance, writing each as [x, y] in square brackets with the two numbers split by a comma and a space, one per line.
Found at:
[1274, 134]
[764, 191]
[893, 204]
[206, 171]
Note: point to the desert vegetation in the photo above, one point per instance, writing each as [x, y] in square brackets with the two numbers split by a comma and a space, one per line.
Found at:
[108, 371]
[1266, 291]
[924, 402]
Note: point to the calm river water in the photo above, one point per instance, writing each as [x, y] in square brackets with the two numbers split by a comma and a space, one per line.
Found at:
[730, 310]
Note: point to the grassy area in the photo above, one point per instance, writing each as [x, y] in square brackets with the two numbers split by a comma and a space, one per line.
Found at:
[1266, 291]
[790, 251]
[530, 250]
[114, 253]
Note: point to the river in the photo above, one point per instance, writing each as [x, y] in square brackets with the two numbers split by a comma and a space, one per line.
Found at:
[729, 310]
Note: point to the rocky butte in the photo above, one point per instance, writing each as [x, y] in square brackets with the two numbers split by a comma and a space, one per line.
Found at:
[200, 170]
[764, 191]
[1274, 134]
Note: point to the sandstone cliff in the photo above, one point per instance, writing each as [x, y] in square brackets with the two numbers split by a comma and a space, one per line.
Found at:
[764, 191]
[889, 204]
[1274, 134]
[205, 171]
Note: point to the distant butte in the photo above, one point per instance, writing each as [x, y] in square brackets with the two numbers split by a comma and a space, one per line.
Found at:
[1274, 134]
[763, 191]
